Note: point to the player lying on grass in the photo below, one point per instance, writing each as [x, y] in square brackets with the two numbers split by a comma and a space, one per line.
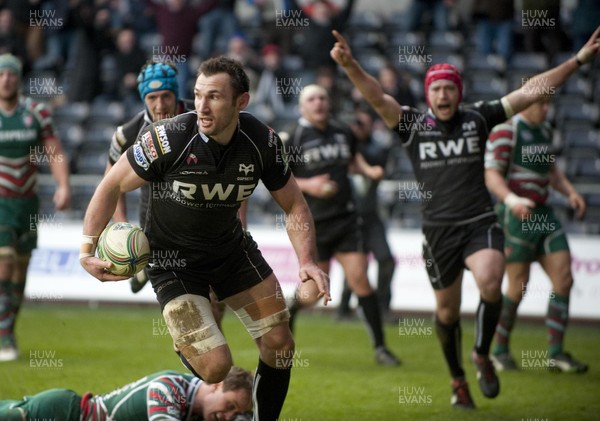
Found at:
[446, 145]
[165, 396]
[519, 170]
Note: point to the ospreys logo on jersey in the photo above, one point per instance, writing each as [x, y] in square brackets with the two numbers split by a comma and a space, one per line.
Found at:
[469, 126]
[246, 168]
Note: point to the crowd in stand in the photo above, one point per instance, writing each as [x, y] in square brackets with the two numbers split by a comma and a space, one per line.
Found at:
[90, 51]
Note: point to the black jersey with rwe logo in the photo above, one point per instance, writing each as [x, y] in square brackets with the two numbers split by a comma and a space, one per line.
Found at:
[198, 185]
[447, 159]
[314, 152]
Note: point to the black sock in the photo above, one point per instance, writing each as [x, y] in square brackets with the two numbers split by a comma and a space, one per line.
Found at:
[487, 317]
[372, 313]
[270, 389]
[294, 309]
[450, 337]
[384, 282]
[344, 307]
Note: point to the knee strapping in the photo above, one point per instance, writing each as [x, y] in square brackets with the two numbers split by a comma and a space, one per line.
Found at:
[192, 326]
[261, 316]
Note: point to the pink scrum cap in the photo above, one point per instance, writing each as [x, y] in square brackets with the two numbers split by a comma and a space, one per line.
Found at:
[444, 71]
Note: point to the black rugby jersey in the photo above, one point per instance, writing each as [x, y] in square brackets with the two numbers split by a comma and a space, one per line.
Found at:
[313, 152]
[447, 159]
[195, 195]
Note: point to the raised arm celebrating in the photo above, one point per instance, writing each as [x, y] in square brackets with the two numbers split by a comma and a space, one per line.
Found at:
[385, 105]
[539, 85]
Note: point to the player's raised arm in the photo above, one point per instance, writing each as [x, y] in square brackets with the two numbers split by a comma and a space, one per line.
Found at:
[302, 235]
[120, 179]
[539, 85]
[385, 105]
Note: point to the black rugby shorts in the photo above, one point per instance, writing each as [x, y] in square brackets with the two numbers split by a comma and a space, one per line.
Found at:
[339, 235]
[446, 247]
[233, 273]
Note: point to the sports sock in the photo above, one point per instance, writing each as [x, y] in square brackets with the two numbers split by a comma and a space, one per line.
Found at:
[17, 299]
[487, 319]
[508, 315]
[384, 282]
[294, 308]
[344, 307]
[556, 321]
[450, 337]
[372, 313]
[269, 391]
[7, 316]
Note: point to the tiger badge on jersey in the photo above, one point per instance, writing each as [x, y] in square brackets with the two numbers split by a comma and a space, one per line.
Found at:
[27, 120]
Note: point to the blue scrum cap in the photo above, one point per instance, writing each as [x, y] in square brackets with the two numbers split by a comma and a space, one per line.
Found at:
[157, 77]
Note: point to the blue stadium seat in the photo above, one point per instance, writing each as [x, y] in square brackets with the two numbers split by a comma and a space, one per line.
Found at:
[477, 61]
[582, 111]
[582, 142]
[446, 57]
[584, 170]
[71, 113]
[482, 86]
[109, 112]
[366, 40]
[365, 21]
[577, 85]
[529, 62]
[449, 41]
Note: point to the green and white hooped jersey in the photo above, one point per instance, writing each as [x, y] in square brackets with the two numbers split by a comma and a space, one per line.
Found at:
[522, 152]
[165, 396]
[22, 136]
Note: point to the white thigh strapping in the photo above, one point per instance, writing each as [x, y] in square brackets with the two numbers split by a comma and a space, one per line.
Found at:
[191, 323]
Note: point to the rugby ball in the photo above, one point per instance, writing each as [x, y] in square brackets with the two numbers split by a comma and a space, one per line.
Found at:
[125, 247]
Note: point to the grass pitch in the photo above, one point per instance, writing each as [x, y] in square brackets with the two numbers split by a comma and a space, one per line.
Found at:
[334, 376]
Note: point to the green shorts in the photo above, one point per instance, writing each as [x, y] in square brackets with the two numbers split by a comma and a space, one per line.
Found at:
[53, 404]
[18, 223]
[536, 235]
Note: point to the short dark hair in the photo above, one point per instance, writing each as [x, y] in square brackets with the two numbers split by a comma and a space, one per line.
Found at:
[238, 378]
[235, 70]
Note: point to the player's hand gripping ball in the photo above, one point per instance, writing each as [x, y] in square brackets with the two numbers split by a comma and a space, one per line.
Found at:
[125, 246]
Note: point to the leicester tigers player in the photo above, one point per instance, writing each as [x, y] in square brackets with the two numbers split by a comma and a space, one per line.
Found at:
[26, 129]
[165, 396]
[519, 162]
[446, 145]
[212, 159]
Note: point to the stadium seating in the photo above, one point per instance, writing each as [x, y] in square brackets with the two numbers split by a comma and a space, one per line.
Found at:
[85, 129]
